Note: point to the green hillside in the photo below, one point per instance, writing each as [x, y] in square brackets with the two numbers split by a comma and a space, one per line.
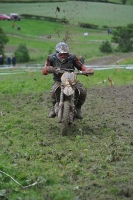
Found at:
[100, 14]
[35, 33]
[130, 2]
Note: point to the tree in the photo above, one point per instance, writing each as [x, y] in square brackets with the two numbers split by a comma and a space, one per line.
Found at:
[22, 54]
[105, 47]
[124, 37]
[3, 41]
[124, 1]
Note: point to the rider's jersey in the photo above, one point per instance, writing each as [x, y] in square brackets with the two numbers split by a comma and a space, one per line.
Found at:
[71, 62]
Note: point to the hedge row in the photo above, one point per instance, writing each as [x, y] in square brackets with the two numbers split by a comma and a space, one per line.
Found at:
[31, 1]
[52, 19]
[86, 25]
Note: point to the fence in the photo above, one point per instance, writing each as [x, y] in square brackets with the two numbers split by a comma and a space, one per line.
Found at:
[21, 68]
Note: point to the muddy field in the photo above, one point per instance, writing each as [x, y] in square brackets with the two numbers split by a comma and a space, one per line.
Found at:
[108, 115]
[107, 109]
[96, 156]
[111, 108]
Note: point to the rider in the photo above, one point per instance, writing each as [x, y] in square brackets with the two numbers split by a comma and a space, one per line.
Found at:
[63, 59]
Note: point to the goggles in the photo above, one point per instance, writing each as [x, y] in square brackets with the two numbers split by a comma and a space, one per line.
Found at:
[63, 54]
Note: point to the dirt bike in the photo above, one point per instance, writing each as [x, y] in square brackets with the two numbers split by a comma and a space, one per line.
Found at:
[67, 96]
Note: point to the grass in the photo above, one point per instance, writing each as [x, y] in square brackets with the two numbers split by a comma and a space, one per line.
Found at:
[32, 148]
[101, 14]
[44, 1]
[32, 81]
[35, 35]
[128, 61]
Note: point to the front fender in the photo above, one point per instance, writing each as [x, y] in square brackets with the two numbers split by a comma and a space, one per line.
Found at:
[68, 91]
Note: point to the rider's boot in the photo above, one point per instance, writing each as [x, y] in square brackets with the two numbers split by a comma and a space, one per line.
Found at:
[52, 113]
[79, 113]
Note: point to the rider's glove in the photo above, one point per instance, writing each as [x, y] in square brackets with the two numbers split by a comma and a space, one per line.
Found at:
[48, 69]
[88, 71]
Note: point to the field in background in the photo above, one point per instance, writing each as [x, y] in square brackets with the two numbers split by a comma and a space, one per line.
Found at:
[41, 36]
[101, 14]
[41, 40]
[129, 2]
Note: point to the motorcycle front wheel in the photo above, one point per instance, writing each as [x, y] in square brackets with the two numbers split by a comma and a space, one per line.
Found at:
[65, 120]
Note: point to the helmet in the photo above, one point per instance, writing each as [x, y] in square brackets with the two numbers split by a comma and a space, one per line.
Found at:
[62, 47]
[62, 50]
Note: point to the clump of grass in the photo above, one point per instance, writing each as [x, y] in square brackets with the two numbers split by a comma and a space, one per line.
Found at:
[126, 61]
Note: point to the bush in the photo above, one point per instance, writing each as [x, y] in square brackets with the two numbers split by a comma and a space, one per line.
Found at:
[123, 37]
[106, 47]
[87, 25]
[3, 41]
[22, 54]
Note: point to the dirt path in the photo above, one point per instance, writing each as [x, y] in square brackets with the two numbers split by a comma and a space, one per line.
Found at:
[110, 59]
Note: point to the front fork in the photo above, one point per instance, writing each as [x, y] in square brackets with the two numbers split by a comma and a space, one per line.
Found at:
[60, 112]
[61, 104]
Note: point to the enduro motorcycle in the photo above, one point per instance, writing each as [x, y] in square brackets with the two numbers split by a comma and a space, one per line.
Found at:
[67, 96]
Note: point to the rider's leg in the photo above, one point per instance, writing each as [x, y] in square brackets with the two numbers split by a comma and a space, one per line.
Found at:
[82, 98]
[53, 98]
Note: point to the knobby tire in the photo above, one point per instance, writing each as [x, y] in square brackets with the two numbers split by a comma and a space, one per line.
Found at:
[65, 124]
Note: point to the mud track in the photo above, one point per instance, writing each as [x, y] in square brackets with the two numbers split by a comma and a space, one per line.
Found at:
[111, 108]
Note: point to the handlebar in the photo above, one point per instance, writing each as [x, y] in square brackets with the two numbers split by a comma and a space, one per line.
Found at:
[61, 71]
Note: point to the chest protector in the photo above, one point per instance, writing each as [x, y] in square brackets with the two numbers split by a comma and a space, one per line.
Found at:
[68, 64]
[55, 62]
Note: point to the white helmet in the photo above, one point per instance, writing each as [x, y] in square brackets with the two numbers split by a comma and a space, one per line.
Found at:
[62, 47]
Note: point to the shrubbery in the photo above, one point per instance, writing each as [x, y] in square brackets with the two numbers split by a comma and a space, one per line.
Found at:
[3, 41]
[124, 37]
[87, 25]
[22, 54]
[106, 47]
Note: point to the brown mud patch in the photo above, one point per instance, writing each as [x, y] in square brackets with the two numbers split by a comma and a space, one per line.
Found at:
[109, 108]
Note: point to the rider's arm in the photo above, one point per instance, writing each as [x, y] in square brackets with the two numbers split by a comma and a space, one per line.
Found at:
[81, 67]
[48, 68]
[90, 71]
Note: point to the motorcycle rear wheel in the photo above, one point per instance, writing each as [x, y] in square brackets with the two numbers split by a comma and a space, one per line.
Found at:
[65, 120]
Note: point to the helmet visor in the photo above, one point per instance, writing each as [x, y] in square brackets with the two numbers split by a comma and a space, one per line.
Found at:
[63, 55]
